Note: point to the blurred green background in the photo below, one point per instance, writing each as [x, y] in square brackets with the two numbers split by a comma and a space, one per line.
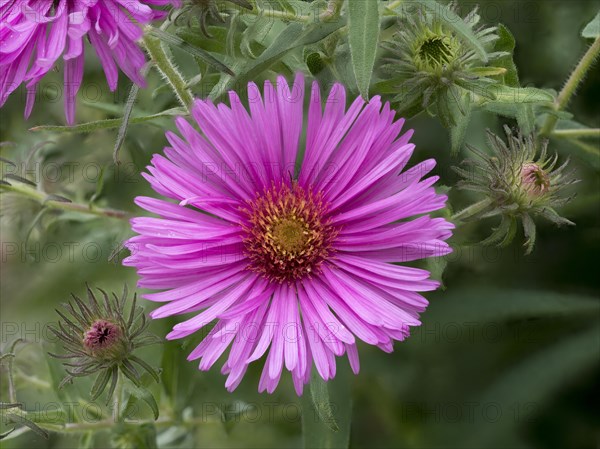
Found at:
[508, 354]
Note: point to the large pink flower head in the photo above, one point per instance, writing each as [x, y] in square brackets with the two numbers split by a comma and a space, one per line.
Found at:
[34, 34]
[289, 252]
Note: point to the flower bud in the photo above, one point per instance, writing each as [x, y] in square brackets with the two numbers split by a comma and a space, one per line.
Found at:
[435, 69]
[518, 184]
[534, 180]
[104, 339]
[100, 336]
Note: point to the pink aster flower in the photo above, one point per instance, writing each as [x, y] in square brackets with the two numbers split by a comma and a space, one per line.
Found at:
[295, 263]
[35, 33]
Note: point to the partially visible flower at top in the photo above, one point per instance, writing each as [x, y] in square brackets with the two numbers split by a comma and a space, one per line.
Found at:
[294, 261]
[34, 34]
[100, 337]
[433, 69]
[201, 10]
[517, 184]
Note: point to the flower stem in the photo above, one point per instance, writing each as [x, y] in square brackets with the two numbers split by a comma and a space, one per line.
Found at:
[105, 424]
[46, 201]
[576, 133]
[168, 70]
[571, 85]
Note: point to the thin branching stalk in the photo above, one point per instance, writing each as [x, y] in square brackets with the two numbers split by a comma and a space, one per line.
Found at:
[47, 201]
[576, 133]
[570, 87]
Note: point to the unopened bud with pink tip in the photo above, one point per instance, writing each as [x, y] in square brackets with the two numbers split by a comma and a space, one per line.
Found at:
[519, 183]
[534, 180]
[100, 336]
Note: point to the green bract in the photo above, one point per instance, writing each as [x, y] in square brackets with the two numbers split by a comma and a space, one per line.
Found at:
[100, 337]
[518, 183]
[434, 69]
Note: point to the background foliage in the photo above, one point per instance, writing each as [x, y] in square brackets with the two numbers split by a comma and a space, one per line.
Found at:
[508, 354]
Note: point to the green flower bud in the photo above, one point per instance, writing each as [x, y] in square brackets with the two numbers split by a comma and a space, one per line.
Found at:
[433, 69]
[100, 336]
[518, 184]
[315, 63]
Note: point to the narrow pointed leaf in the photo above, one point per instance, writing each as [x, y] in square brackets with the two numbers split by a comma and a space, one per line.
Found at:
[363, 25]
[332, 400]
[108, 123]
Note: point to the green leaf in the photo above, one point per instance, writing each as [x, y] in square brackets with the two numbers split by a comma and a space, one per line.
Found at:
[293, 36]
[506, 43]
[176, 41]
[488, 71]
[363, 25]
[437, 266]
[530, 233]
[320, 401]
[456, 23]
[327, 411]
[483, 87]
[256, 32]
[462, 117]
[525, 118]
[7, 433]
[18, 419]
[141, 393]
[592, 29]
[108, 123]
[507, 94]
[100, 383]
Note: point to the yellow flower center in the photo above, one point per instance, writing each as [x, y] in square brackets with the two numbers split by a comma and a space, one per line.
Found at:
[288, 233]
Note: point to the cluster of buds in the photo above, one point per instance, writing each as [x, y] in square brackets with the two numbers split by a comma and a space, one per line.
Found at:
[201, 11]
[518, 183]
[433, 69]
[99, 336]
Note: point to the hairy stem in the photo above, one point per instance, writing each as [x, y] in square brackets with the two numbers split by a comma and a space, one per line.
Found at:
[168, 70]
[571, 86]
[46, 201]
